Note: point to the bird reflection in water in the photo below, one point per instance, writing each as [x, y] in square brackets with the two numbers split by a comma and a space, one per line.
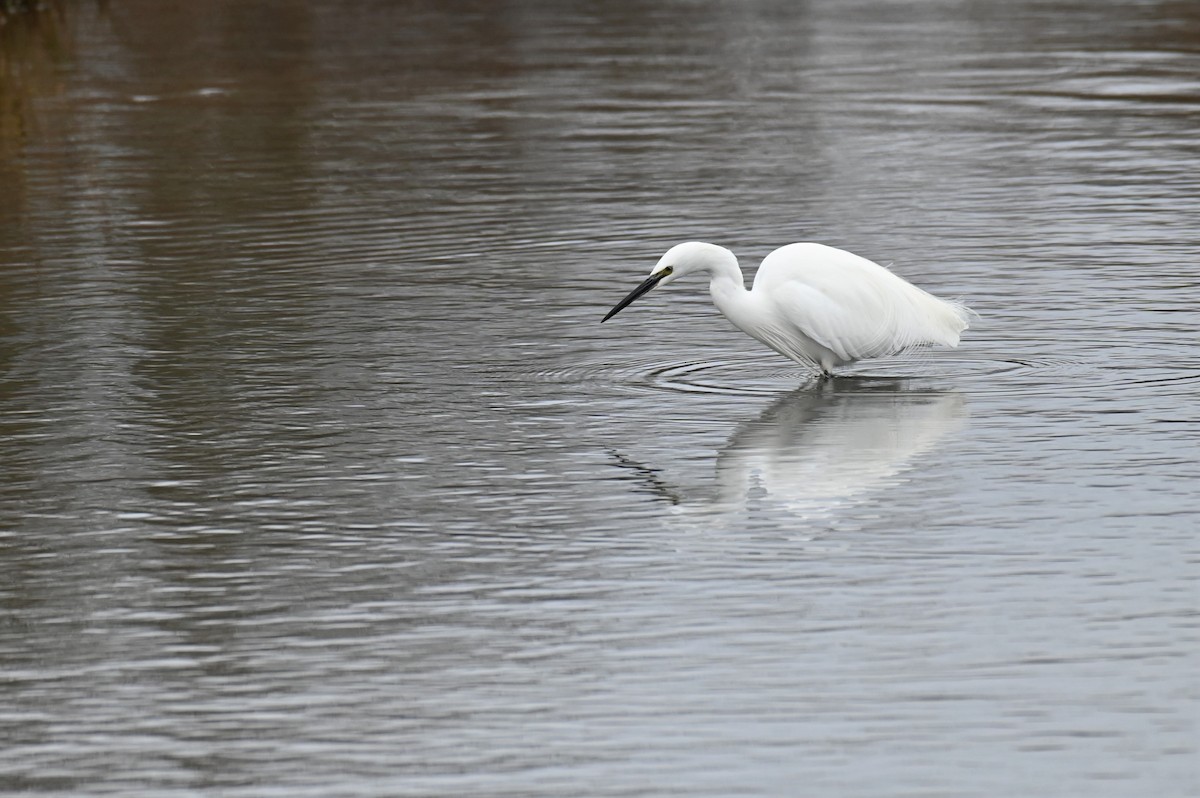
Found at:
[815, 449]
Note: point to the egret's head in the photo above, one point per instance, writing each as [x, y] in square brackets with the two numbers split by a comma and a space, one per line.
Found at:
[680, 260]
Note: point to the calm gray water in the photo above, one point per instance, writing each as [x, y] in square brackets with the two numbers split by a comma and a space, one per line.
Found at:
[319, 476]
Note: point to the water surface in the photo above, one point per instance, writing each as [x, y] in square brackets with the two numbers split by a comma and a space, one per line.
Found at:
[318, 475]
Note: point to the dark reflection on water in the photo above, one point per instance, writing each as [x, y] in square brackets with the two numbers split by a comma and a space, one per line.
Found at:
[319, 476]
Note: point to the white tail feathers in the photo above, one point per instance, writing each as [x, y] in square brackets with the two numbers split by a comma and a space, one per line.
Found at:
[958, 318]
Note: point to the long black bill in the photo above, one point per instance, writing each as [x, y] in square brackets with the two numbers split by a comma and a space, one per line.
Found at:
[645, 287]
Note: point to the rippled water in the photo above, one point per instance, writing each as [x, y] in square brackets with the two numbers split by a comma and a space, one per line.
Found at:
[318, 475]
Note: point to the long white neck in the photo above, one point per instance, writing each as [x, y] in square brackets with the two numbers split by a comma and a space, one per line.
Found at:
[729, 292]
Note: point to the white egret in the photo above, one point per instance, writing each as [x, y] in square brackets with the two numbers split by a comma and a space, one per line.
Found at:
[820, 306]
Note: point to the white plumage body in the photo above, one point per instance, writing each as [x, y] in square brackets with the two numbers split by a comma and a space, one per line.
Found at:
[818, 305]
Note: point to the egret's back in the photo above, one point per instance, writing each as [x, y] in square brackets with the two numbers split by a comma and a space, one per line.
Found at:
[849, 307]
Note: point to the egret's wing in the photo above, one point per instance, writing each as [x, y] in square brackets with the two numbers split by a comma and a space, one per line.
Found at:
[853, 307]
[851, 323]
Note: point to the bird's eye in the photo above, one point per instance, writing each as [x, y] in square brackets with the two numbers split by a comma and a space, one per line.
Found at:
[667, 270]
